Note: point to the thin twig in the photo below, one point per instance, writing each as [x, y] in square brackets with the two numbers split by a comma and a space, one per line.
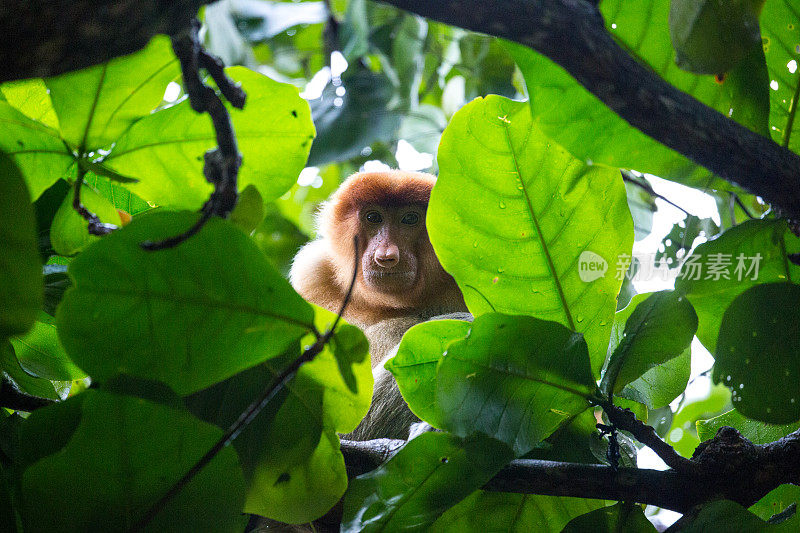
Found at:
[256, 406]
[646, 187]
[96, 227]
[221, 164]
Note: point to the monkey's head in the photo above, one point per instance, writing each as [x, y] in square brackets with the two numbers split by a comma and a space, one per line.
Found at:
[398, 269]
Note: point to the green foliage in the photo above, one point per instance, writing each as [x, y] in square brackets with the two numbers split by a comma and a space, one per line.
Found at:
[620, 517]
[195, 321]
[652, 330]
[113, 492]
[758, 349]
[719, 270]
[529, 215]
[430, 474]
[711, 37]
[519, 246]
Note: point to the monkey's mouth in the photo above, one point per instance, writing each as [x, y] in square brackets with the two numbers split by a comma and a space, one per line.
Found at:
[386, 278]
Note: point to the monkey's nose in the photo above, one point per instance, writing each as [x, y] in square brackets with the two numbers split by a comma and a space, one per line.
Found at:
[387, 257]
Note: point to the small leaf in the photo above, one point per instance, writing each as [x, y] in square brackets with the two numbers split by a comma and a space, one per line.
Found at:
[758, 350]
[69, 233]
[249, 210]
[96, 105]
[657, 327]
[414, 366]
[430, 474]
[10, 368]
[515, 378]
[189, 316]
[525, 243]
[126, 470]
[20, 268]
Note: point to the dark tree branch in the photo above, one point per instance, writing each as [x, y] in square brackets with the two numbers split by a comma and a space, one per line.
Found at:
[572, 33]
[13, 398]
[221, 165]
[725, 467]
[47, 37]
[624, 419]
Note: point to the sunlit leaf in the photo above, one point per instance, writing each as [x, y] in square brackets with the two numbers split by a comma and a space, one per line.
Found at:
[164, 150]
[40, 353]
[69, 232]
[96, 105]
[542, 233]
[37, 150]
[414, 366]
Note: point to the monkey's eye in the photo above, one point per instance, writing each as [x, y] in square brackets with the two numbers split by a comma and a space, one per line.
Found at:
[410, 218]
[373, 217]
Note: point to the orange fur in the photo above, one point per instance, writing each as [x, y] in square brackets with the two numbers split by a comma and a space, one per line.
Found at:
[323, 268]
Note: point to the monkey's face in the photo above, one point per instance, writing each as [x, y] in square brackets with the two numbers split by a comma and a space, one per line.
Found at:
[391, 237]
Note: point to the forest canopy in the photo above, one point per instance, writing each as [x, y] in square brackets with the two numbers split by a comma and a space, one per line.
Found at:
[158, 176]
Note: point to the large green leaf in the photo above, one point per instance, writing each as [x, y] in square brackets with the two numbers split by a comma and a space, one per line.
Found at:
[653, 329]
[294, 476]
[575, 118]
[721, 269]
[505, 511]
[97, 104]
[515, 378]
[36, 149]
[414, 366]
[20, 270]
[431, 473]
[518, 222]
[164, 150]
[189, 316]
[129, 452]
[758, 351]
[780, 31]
